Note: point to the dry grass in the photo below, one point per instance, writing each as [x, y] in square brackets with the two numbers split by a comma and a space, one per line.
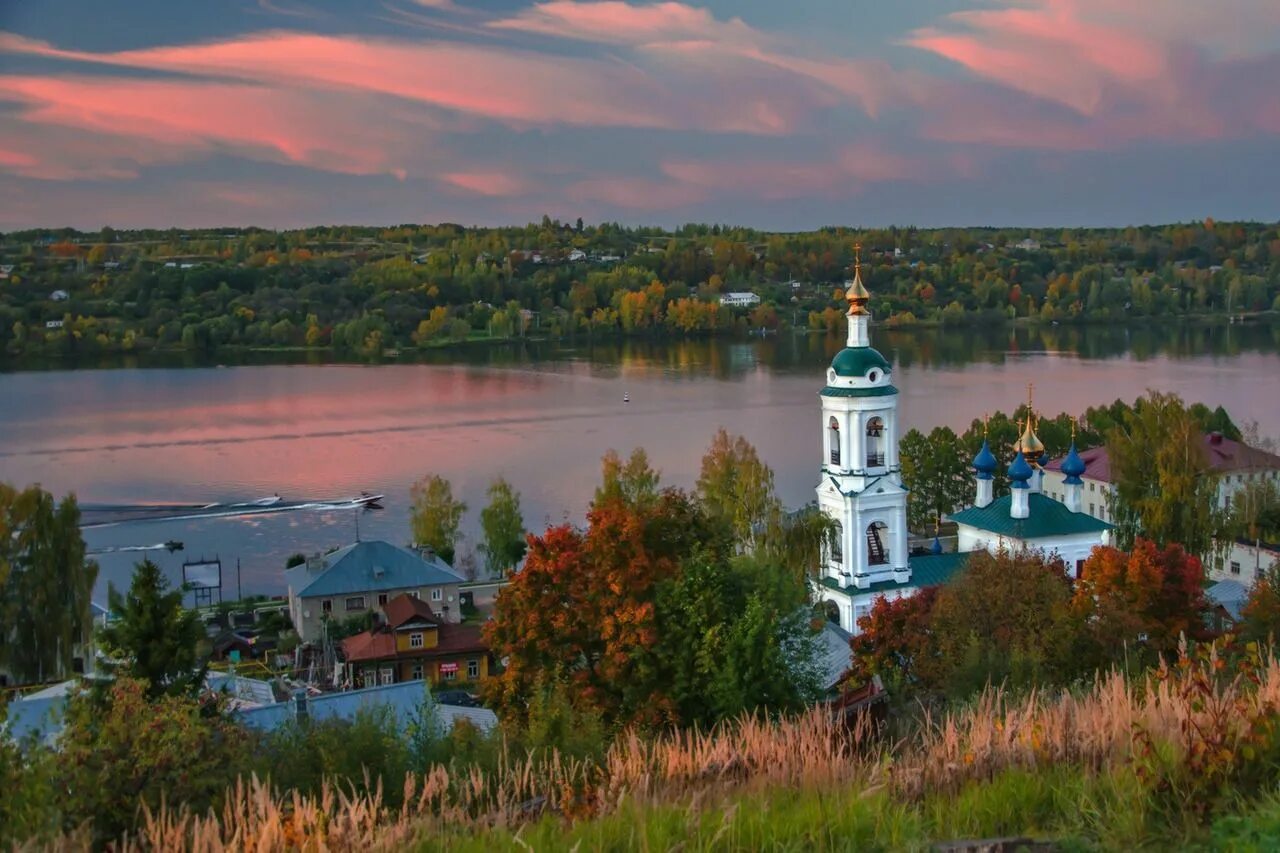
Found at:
[1091, 730]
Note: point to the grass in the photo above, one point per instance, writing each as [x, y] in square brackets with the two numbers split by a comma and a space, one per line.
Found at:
[1171, 761]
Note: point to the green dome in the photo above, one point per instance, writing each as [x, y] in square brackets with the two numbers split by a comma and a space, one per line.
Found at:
[856, 361]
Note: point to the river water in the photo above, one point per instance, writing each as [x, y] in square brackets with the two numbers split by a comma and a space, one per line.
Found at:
[539, 415]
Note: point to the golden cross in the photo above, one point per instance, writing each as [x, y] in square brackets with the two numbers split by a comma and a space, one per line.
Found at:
[857, 256]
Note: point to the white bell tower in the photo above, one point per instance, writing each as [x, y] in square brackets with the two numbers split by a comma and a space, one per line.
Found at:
[861, 487]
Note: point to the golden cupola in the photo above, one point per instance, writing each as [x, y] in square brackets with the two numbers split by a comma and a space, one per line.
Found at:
[856, 292]
[1029, 444]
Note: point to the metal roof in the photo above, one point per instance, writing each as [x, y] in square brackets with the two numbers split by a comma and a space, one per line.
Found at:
[371, 566]
[1047, 518]
[926, 570]
[1229, 595]
[404, 700]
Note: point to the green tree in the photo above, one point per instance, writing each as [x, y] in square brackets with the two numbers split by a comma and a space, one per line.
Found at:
[634, 482]
[503, 526]
[153, 636]
[46, 584]
[1163, 486]
[736, 487]
[936, 471]
[128, 749]
[434, 515]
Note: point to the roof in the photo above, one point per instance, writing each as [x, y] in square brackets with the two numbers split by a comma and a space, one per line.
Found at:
[1047, 517]
[404, 608]
[244, 692]
[380, 644]
[927, 570]
[404, 700]
[1230, 595]
[856, 361]
[369, 567]
[35, 718]
[1225, 456]
[834, 654]
[877, 391]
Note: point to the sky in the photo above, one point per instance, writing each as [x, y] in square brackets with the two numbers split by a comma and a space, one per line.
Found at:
[778, 115]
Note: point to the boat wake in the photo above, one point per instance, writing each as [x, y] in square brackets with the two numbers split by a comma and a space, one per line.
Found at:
[110, 515]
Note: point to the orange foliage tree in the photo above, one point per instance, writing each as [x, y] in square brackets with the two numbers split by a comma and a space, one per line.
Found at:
[1149, 595]
[583, 608]
[897, 642]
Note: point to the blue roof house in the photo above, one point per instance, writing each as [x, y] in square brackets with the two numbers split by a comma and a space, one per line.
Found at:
[363, 577]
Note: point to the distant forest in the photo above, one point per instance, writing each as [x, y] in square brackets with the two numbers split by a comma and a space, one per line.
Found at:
[367, 292]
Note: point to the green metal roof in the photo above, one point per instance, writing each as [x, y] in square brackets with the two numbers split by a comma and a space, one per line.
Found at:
[1047, 518]
[856, 361]
[878, 391]
[927, 570]
[371, 566]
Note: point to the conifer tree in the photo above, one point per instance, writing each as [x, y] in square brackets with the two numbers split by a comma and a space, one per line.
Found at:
[152, 637]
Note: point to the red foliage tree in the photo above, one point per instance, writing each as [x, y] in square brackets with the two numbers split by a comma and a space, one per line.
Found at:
[1150, 591]
[897, 642]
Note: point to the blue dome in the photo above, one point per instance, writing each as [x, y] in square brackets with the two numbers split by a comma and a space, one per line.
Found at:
[1044, 459]
[1019, 472]
[936, 547]
[1073, 466]
[985, 462]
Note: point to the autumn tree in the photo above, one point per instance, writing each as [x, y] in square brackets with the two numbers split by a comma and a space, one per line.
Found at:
[1147, 597]
[46, 584]
[1164, 487]
[153, 637]
[896, 642]
[434, 515]
[646, 619]
[503, 527]
[735, 486]
[1260, 617]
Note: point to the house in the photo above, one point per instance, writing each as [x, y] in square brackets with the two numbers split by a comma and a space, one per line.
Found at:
[53, 324]
[1246, 561]
[363, 577]
[1235, 464]
[414, 644]
[402, 700]
[740, 299]
[6, 270]
[59, 296]
[1027, 245]
[1227, 600]
[577, 256]
[608, 259]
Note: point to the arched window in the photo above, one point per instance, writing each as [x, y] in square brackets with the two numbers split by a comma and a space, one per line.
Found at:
[877, 547]
[833, 612]
[875, 443]
[837, 544]
[834, 428]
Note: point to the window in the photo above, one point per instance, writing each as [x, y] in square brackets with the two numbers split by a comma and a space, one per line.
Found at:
[1091, 485]
[415, 593]
[388, 675]
[1079, 569]
[1235, 567]
[837, 544]
[875, 443]
[449, 671]
[437, 594]
[415, 640]
[1090, 509]
[473, 668]
[382, 599]
[356, 602]
[417, 672]
[326, 606]
[834, 428]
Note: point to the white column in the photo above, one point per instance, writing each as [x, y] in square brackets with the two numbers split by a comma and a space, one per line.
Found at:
[1021, 504]
[984, 493]
[1073, 496]
[900, 551]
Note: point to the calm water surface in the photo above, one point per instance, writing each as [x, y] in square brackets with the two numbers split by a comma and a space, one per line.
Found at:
[541, 417]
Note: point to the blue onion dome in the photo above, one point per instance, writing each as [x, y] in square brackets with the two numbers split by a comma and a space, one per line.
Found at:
[1044, 459]
[1073, 466]
[936, 547]
[985, 462]
[1019, 472]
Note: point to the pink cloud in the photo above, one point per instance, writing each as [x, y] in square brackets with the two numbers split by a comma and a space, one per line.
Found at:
[635, 193]
[616, 22]
[487, 183]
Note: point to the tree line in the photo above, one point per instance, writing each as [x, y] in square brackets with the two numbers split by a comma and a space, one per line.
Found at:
[361, 291]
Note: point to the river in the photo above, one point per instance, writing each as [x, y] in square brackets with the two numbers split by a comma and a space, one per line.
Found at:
[541, 415]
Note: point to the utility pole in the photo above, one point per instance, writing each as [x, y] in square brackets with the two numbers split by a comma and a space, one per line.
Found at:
[239, 592]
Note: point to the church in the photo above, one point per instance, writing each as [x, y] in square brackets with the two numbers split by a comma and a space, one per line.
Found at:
[861, 490]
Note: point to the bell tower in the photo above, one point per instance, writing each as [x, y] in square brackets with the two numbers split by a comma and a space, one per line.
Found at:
[861, 487]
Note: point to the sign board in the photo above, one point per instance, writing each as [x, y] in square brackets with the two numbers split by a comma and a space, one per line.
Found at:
[448, 667]
[205, 574]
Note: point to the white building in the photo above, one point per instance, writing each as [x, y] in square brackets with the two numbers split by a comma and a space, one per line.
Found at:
[740, 299]
[576, 256]
[861, 491]
[1247, 561]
